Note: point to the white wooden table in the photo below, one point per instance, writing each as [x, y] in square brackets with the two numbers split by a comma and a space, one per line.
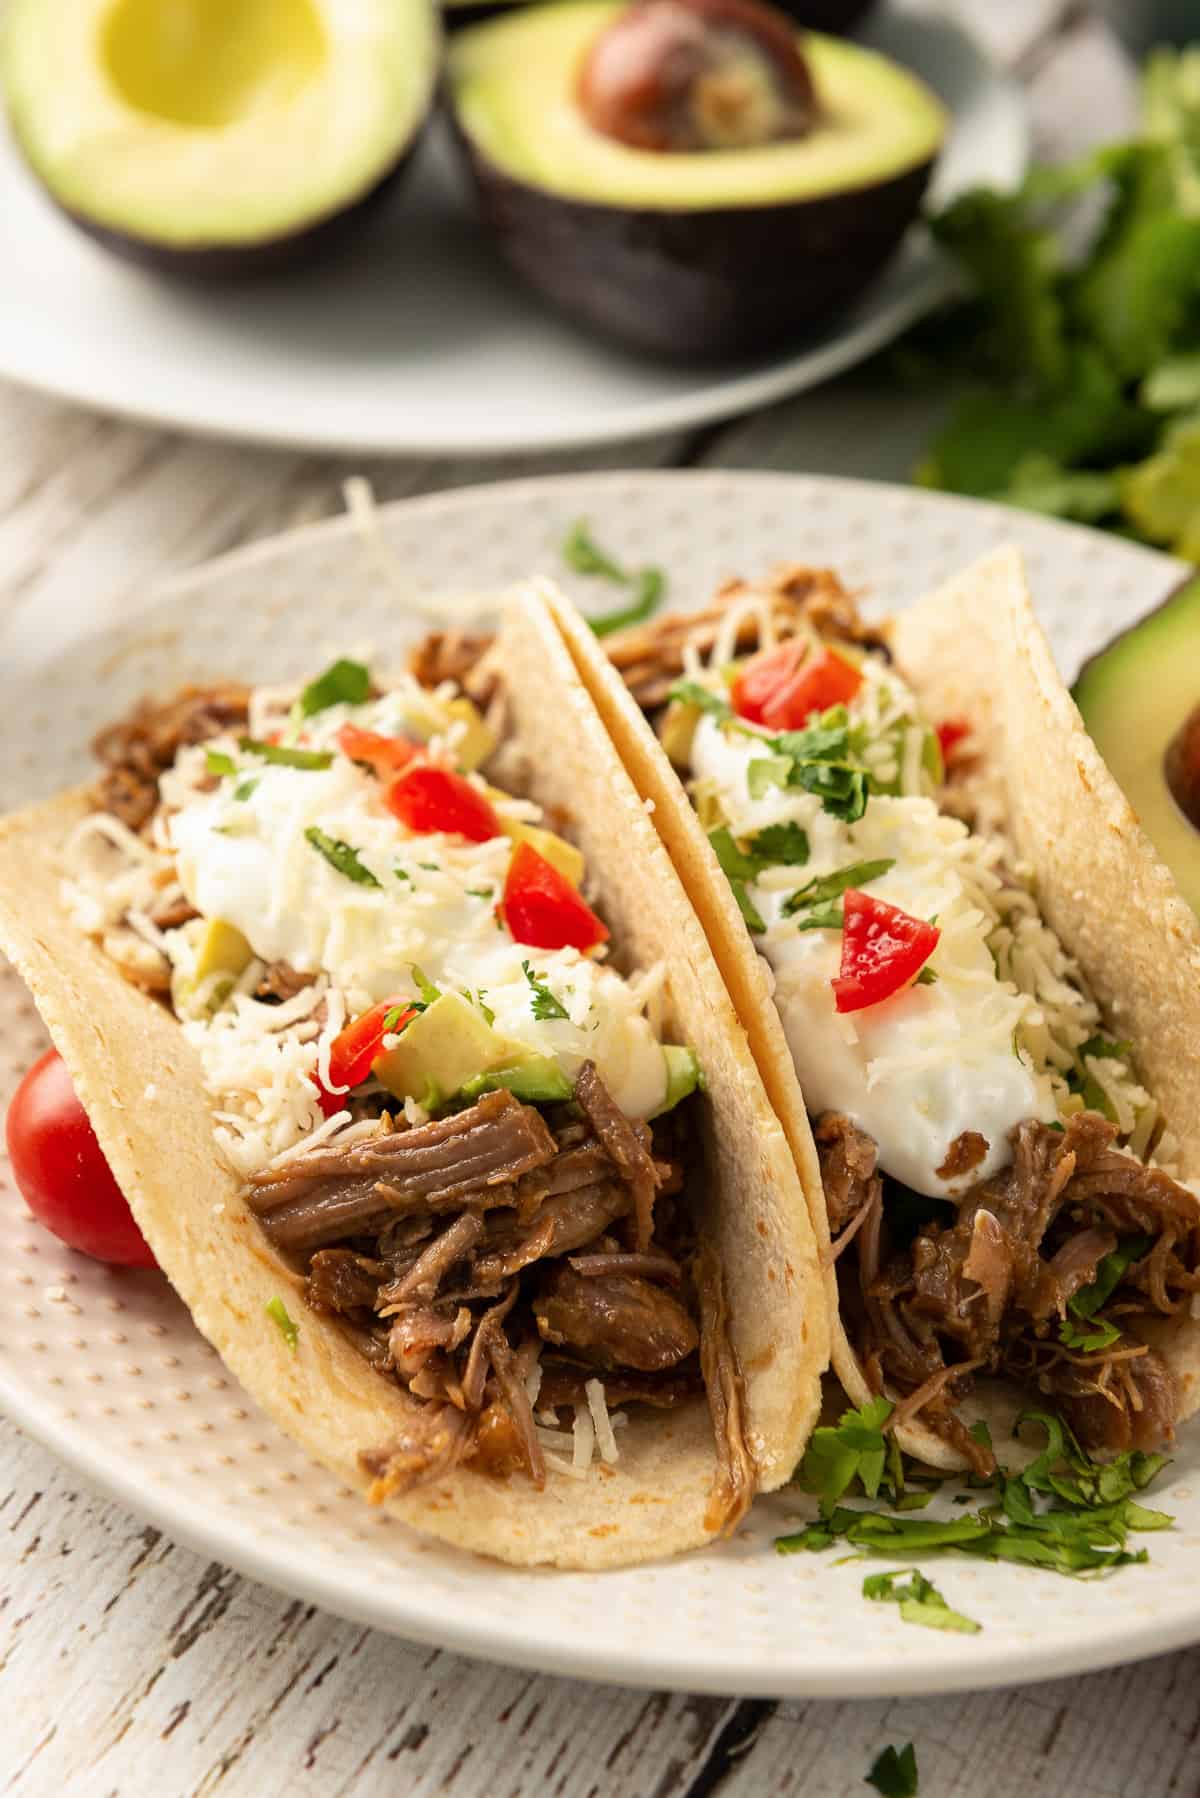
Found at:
[129, 1666]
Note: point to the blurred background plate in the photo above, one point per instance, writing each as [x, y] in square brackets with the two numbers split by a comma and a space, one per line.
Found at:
[419, 342]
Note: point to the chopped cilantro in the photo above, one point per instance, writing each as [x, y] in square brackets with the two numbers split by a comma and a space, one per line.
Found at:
[402, 874]
[927, 976]
[822, 917]
[277, 1311]
[481, 892]
[894, 1772]
[344, 683]
[217, 762]
[690, 692]
[392, 1018]
[831, 886]
[245, 788]
[582, 553]
[1109, 1274]
[425, 987]
[341, 856]
[1064, 1512]
[919, 1601]
[735, 864]
[781, 845]
[311, 759]
[489, 1016]
[649, 585]
[545, 1005]
[754, 919]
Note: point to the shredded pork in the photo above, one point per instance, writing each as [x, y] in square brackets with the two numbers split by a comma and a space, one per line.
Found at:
[990, 1285]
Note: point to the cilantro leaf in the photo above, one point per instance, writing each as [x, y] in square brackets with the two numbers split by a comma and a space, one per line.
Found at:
[343, 683]
[648, 588]
[545, 1004]
[245, 788]
[1110, 1271]
[392, 1018]
[424, 986]
[582, 553]
[894, 1772]
[312, 759]
[754, 919]
[690, 692]
[852, 1449]
[825, 887]
[735, 864]
[780, 845]
[277, 1311]
[919, 1601]
[217, 762]
[341, 856]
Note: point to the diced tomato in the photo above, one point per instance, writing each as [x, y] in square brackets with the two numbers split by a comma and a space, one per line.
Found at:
[61, 1173]
[543, 909]
[883, 948]
[783, 687]
[427, 798]
[355, 1048]
[386, 755]
[950, 733]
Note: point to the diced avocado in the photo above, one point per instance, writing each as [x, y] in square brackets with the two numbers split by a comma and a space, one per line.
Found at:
[677, 732]
[443, 1048]
[683, 1076]
[536, 1080]
[1137, 697]
[707, 801]
[222, 948]
[430, 717]
[552, 848]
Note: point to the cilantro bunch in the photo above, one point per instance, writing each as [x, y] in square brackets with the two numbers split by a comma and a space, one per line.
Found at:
[1077, 348]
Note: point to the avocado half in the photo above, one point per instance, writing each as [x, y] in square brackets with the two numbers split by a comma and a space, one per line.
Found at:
[686, 254]
[217, 137]
[1138, 698]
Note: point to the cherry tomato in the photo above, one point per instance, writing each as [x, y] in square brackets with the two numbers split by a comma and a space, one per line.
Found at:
[542, 908]
[428, 798]
[61, 1172]
[950, 733]
[386, 755]
[883, 948]
[783, 687]
[356, 1048]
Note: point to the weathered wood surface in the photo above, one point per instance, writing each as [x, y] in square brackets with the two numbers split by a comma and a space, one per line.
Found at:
[128, 1665]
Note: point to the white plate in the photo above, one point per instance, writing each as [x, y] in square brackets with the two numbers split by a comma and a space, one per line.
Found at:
[106, 1367]
[419, 342]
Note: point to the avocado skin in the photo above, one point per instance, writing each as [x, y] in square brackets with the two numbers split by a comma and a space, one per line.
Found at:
[837, 17]
[218, 262]
[694, 284]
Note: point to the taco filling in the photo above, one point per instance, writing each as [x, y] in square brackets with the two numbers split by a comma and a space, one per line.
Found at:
[1001, 1191]
[455, 1120]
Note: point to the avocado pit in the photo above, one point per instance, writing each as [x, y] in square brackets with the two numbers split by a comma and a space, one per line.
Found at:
[1181, 764]
[697, 75]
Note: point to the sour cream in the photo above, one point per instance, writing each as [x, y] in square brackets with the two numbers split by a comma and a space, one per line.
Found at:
[249, 862]
[918, 1070]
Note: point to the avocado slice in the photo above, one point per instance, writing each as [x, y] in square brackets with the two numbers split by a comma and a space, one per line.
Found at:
[1137, 698]
[686, 254]
[431, 717]
[217, 137]
[535, 1080]
[441, 1050]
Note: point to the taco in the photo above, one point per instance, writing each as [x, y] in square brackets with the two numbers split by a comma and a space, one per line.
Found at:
[972, 990]
[475, 1190]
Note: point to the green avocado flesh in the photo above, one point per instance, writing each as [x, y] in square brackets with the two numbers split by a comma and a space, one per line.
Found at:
[191, 123]
[513, 84]
[1135, 696]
